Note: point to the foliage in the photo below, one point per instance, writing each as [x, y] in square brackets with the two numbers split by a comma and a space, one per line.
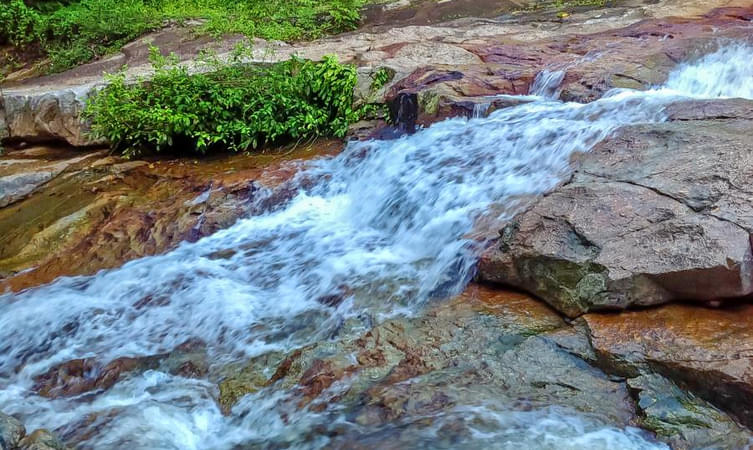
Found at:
[75, 31]
[237, 107]
[18, 23]
[382, 76]
[88, 29]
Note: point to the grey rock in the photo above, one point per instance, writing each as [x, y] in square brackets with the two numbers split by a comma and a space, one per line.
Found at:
[42, 440]
[682, 419]
[51, 115]
[11, 432]
[656, 213]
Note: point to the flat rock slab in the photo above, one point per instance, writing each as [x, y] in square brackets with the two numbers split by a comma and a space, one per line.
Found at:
[709, 351]
[656, 213]
[73, 212]
[484, 347]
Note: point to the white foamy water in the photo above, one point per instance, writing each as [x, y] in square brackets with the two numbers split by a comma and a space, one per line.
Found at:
[547, 83]
[384, 224]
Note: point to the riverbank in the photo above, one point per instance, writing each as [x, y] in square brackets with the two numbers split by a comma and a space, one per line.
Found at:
[319, 295]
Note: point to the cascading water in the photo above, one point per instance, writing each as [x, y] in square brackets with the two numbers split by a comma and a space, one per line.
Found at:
[547, 83]
[383, 225]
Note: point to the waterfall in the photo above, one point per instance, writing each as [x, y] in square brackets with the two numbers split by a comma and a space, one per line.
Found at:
[384, 224]
[547, 83]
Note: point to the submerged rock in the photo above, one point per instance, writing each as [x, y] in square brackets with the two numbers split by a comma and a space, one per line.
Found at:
[684, 420]
[80, 376]
[11, 432]
[90, 211]
[485, 349]
[651, 215]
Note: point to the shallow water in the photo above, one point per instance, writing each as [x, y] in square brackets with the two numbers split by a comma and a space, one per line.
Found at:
[383, 225]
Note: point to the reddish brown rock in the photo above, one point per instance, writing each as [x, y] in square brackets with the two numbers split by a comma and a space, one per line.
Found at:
[79, 376]
[483, 346]
[706, 350]
[98, 212]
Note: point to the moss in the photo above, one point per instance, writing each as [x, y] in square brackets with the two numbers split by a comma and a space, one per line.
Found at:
[249, 379]
[572, 287]
[428, 102]
[380, 78]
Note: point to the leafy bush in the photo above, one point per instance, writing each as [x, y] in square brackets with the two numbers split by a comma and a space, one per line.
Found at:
[88, 29]
[18, 23]
[237, 107]
[76, 31]
[382, 76]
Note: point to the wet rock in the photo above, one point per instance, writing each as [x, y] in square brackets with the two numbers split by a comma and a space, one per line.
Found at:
[705, 350]
[11, 432]
[80, 376]
[682, 419]
[20, 178]
[482, 347]
[651, 215]
[42, 440]
[256, 374]
[91, 212]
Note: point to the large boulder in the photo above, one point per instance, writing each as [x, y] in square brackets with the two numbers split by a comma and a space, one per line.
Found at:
[485, 352]
[656, 213]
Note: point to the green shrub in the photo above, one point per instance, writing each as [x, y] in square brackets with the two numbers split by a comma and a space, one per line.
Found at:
[88, 29]
[237, 108]
[18, 23]
[382, 76]
[73, 32]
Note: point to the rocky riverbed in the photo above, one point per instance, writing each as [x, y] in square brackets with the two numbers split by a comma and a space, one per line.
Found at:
[334, 309]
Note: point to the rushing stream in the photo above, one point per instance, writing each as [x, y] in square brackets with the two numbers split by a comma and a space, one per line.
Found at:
[383, 225]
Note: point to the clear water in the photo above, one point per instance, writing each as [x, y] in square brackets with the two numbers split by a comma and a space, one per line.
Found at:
[385, 222]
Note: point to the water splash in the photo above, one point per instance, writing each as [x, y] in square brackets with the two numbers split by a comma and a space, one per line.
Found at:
[480, 109]
[726, 73]
[385, 227]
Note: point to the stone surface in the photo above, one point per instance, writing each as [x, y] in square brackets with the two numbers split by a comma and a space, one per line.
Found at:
[42, 440]
[20, 178]
[483, 346]
[80, 376]
[11, 432]
[50, 116]
[651, 215]
[706, 350]
[79, 212]
[684, 420]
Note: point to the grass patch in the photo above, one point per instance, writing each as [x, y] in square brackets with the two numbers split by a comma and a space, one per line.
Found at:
[237, 107]
[73, 32]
